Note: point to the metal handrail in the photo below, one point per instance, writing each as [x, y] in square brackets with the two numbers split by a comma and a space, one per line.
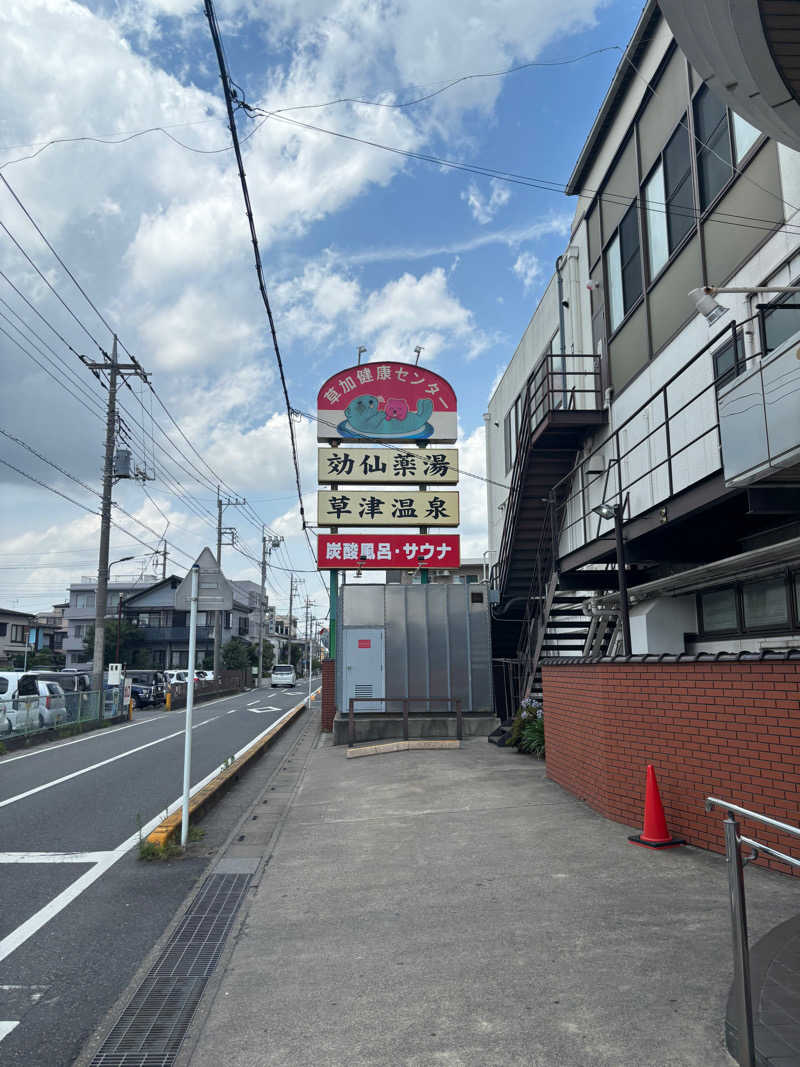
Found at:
[741, 948]
[351, 718]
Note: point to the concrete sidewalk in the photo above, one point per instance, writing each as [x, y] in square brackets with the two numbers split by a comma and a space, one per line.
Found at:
[457, 908]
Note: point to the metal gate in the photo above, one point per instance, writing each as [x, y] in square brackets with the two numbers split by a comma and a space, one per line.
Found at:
[364, 668]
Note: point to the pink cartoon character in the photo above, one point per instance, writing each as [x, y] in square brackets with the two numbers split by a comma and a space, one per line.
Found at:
[395, 408]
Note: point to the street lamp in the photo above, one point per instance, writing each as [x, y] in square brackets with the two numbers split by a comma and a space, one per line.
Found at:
[123, 559]
[705, 303]
[609, 512]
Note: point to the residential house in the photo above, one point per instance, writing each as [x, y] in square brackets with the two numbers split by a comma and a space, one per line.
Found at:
[80, 614]
[469, 571]
[51, 628]
[680, 412]
[14, 628]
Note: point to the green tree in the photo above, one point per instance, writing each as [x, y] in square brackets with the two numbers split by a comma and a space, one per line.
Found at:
[269, 657]
[239, 655]
[131, 644]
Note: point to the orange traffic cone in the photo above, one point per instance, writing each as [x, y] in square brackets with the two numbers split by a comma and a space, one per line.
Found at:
[655, 833]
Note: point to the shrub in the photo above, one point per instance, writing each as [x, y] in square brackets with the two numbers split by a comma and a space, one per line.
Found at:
[532, 737]
[528, 709]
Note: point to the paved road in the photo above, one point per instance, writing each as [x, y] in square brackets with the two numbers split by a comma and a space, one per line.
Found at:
[78, 910]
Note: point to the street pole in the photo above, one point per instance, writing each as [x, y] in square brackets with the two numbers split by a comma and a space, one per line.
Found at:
[291, 601]
[333, 591]
[101, 593]
[119, 624]
[187, 742]
[113, 368]
[217, 614]
[164, 563]
[622, 578]
[261, 605]
[310, 653]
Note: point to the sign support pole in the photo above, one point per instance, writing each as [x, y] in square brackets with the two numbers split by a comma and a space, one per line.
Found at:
[334, 600]
[187, 744]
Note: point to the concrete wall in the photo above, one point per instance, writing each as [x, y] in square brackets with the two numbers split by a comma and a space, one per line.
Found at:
[728, 729]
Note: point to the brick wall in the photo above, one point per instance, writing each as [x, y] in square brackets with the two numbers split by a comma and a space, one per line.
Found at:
[328, 694]
[726, 729]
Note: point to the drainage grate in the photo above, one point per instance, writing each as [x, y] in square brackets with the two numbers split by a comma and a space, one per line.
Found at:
[152, 1027]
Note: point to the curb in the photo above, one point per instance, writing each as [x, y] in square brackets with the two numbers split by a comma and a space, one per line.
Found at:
[400, 746]
[166, 830]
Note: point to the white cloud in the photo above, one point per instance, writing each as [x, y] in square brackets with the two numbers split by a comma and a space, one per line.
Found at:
[528, 269]
[485, 208]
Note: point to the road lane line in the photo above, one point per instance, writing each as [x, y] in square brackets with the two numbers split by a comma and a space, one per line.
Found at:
[26, 930]
[6, 1028]
[52, 857]
[102, 763]
[95, 735]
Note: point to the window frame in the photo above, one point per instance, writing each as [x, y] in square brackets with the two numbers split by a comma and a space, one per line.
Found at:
[632, 209]
[700, 146]
[673, 251]
[791, 587]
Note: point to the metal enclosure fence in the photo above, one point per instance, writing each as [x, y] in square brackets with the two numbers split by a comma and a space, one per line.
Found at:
[30, 716]
[452, 704]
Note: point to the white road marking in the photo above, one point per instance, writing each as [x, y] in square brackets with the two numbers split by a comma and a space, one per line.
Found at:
[51, 857]
[232, 711]
[6, 1028]
[26, 930]
[97, 734]
[102, 763]
[17, 988]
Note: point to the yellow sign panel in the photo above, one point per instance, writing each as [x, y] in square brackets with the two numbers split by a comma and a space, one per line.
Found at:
[382, 466]
[364, 507]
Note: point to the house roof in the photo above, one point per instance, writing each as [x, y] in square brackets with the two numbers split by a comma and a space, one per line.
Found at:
[17, 614]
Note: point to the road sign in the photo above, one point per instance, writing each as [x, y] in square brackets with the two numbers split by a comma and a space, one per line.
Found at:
[396, 507]
[382, 466]
[215, 593]
[387, 402]
[387, 551]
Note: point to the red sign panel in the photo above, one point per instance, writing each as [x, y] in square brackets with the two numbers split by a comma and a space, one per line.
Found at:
[387, 402]
[388, 551]
[364, 642]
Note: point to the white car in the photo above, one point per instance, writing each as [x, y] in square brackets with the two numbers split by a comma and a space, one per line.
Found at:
[283, 674]
[29, 703]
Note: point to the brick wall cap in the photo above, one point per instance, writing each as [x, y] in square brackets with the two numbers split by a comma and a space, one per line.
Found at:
[765, 655]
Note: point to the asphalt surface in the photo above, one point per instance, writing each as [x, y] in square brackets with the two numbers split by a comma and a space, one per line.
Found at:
[78, 910]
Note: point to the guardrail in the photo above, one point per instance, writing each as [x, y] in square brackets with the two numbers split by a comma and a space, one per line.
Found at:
[741, 948]
[405, 701]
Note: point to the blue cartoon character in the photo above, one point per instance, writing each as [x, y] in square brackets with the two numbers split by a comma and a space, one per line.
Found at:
[365, 418]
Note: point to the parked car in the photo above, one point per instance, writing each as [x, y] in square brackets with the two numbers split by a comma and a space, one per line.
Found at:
[204, 676]
[283, 674]
[148, 688]
[29, 702]
[75, 687]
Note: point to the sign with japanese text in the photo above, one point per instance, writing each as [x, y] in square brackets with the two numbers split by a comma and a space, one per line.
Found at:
[357, 507]
[387, 402]
[388, 465]
[387, 551]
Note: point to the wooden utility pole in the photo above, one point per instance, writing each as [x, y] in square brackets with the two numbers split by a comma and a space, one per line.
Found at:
[114, 369]
[267, 545]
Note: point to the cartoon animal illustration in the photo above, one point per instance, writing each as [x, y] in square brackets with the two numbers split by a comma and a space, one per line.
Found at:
[395, 408]
[365, 417]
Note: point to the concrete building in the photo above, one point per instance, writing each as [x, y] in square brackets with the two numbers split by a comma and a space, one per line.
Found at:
[470, 571]
[51, 628]
[14, 627]
[626, 392]
[80, 613]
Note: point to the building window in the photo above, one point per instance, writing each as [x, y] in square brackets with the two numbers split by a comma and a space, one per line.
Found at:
[18, 635]
[729, 361]
[744, 136]
[78, 629]
[3, 629]
[714, 145]
[782, 319]
[507, 440]
[765, 604]
[84, 600]
[624, 268]
[719, 611]
[669, 200]
[244, 625]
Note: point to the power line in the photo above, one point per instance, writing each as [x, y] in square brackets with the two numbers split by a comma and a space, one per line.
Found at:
[225, 78]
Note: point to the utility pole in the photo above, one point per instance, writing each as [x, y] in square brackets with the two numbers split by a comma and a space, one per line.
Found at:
[291, 601]
[229, 531]
[113, 368]
[308, 632]
[164, 562]
[267, 546]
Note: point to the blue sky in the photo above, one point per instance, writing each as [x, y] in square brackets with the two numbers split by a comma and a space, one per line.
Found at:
[360, 246]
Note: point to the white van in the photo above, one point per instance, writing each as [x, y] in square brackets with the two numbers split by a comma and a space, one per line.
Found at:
[283, 674]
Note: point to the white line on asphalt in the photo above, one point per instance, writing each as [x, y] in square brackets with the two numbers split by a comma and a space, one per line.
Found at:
[97, 734]
[6, 1028]
[232, 711]
[96, 766]
[26, 930]
[262, 711]
[51, 857]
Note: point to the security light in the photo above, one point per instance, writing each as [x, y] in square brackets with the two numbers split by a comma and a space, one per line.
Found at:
[705, 303]
[605, 511]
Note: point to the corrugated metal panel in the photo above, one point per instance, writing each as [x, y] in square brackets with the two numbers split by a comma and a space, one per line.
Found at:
[396, 646]
[481, 651]
[417, 642]
[438, 623]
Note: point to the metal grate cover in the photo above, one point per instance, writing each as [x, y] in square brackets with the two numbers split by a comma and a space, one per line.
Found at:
[152, 1027]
